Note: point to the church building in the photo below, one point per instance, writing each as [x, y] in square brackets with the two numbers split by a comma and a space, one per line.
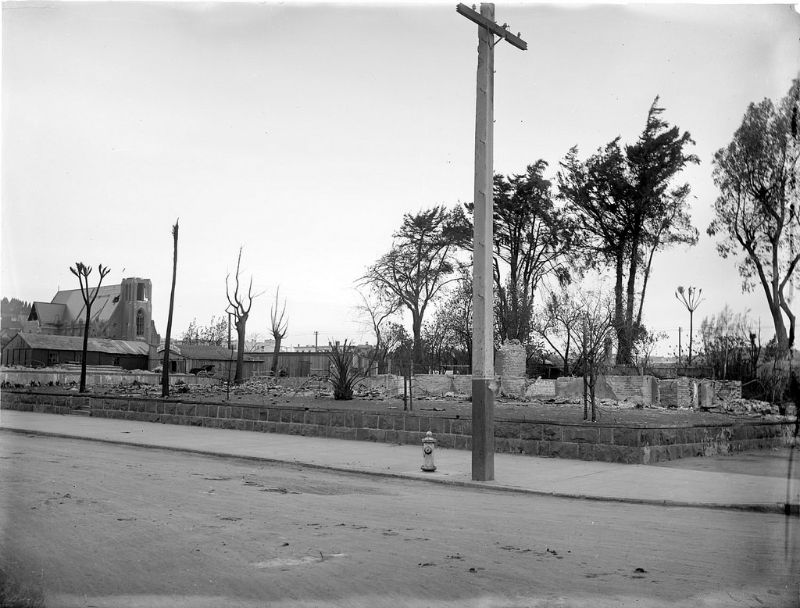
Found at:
[121, 328]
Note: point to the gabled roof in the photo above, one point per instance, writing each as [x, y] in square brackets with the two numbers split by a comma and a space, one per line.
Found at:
[203, 352]
[103, 306]
[52, 314]
[75, 343]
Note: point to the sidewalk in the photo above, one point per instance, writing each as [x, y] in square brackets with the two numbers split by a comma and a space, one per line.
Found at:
[646, 484]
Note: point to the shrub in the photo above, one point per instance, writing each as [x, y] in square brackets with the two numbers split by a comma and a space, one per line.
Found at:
[344, 372]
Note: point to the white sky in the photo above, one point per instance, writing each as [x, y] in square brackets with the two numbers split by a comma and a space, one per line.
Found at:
[304, 133]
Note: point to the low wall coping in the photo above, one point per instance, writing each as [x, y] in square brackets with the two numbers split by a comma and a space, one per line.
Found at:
[413, 413]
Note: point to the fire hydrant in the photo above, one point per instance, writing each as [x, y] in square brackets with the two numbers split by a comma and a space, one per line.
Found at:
[428, 444]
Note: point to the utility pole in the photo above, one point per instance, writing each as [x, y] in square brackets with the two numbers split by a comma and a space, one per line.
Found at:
[680, 331]
[483, 240]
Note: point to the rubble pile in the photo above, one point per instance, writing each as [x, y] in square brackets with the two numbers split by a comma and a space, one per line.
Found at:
[744, 407]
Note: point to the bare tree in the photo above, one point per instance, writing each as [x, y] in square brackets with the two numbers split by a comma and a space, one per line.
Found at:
[165, 363]
[278, 327]
[82, 272]
[239, 305]
[378, 307]
[252, 342]
[558, 322]
[596, 327]
[691, 298]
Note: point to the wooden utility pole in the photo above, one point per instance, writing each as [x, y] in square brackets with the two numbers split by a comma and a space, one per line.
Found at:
[165, 367]
[483, 238]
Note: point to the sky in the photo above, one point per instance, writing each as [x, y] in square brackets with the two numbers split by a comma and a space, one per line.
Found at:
[303, 133]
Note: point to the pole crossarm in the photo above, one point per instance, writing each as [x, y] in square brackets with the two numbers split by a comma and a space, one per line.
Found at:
[490, 25]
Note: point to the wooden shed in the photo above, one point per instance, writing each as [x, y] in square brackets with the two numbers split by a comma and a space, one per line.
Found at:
[44, 350]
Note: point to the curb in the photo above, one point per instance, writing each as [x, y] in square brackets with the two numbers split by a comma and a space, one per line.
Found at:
[788, 509]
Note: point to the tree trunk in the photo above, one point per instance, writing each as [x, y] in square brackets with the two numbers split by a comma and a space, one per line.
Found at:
[781, 337]
[585, 377]
[82, 387]
[619, 316]
[416, 328]
[275, 352]
[165, 364]
[241, 325]
[629, 305]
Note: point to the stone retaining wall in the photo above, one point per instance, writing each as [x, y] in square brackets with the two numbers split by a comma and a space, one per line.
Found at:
[604, 442]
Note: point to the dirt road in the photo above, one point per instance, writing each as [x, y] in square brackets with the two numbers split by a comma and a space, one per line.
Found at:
[97, 525]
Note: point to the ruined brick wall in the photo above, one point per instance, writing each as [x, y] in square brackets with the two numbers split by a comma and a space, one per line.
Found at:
[676, 392]
[389, 384]
[434, 385]
[510, 361]
[462, 385]
[540, 388]
[510, 366]
[631, 388]
[96, 377]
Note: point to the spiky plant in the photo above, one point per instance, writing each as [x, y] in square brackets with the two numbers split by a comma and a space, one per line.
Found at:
[344, 374]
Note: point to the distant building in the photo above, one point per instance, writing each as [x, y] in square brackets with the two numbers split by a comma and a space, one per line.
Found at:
[262, 346]
[13, 316]
[120, 313]
[215, 361]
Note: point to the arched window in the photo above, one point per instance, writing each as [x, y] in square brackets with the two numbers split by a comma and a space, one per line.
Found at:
[140, 323]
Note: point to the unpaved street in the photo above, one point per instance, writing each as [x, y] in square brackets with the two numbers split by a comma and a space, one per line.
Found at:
[93, 524]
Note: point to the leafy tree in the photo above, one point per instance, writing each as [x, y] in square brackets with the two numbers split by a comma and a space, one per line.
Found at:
[420, 263]
[165, 363]
[730, 345]
[627, 207]
[455, 315]
[757, 215]
[82, 271]
[434, 343]
[14, 306]
[213, 334]
[447, 338]
[643, 346]
[279, 325]
[399, 345]
[239, 305]
[532, 239]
